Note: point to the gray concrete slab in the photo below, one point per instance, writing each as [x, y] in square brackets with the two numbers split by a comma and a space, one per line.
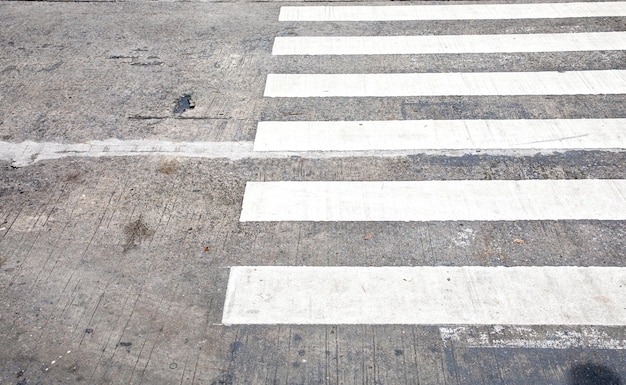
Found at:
[101, 253]
[114, 269]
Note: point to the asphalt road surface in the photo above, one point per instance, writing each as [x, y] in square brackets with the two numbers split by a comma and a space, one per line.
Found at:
[429, 192]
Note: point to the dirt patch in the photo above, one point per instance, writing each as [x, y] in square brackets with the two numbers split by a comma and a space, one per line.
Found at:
[136, 232]
[168, 167]
[73, 176]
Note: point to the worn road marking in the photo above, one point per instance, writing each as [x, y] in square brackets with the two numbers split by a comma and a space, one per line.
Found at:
[441, 84]
[525, 337]
[564, 134]
[403, 45]
[453, 12]
[426, 295]
[27, 153]
[464, 200]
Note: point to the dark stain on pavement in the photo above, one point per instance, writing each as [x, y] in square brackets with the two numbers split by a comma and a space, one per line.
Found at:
[183, 104]
[592, 374]
[136, 232]
[235, 347]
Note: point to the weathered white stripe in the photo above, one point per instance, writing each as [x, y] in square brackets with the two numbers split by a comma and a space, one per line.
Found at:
[466, 200]
[439, 84]
[524, 337]
[558, 134]
[398, 45]
[426, 295]
[452, 12]
[26, 153]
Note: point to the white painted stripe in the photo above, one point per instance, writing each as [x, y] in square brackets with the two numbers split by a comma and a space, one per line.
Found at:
[452, 12]
[426, 295]
[561, 134]
[466, 200]
[27, 153]
[402, 45]
[524, 337]
[440, 84]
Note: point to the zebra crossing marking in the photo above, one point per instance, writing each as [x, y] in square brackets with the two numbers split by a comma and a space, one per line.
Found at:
[403, 45]
[546, 295]
[451, 200]
[443, 84]
[556, 134]
[453, 11]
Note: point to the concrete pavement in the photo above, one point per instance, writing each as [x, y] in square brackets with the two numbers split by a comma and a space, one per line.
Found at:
[114, 269]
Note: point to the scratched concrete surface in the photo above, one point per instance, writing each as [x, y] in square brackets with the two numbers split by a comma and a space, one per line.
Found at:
[113, 270]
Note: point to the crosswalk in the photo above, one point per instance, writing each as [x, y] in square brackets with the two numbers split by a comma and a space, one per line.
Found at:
[476, 134]
[522, 295]
[436, 200]
[446, 84]
[437, 44]
[454, 12]
[434, 295]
